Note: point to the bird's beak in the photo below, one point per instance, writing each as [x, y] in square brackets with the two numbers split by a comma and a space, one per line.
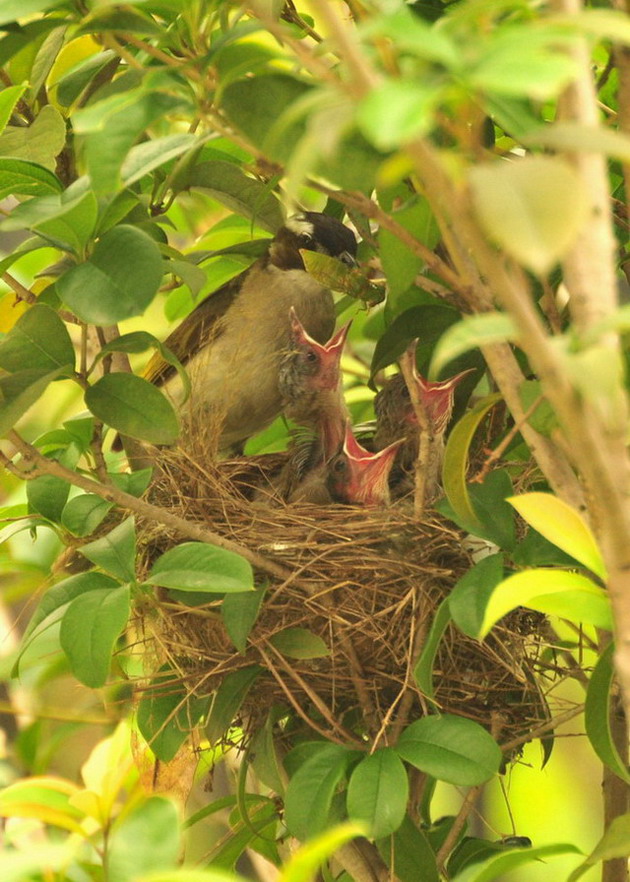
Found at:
[369, 472]
[330, 358]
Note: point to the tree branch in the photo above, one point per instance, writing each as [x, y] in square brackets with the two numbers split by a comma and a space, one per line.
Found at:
[35, 465]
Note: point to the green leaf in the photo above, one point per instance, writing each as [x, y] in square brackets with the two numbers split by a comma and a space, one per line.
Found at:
[134, 407]
[113, 125]
[19, 177]
[116, 552]
[533, 208]
[39, 339]
[451, 749]
[428, 323]
[82, 514]
[80, 75]
[299, 643]
[489, 500]
[312, 788]
[496, 867]
[543, 418]
[399, 263]
[378, 791]
[145, 838]
[254, 829]
[562, 525]
[239, 612]
[182, 874]
[245, 195]
[522, 61]
[468, 599]
[408, 854]
[144, 158]
[18, 9]
[250, 104]
[41, 142]
[615, 843]
[597, 709]
[66, 220]
[9, 97]
[471, 332]
[423, 670]
[198, 566]
[264, 757]
[47, 799]
[455, 466]
[167, 713]
[119, 280]
[20, 390]
[396, 111]
[140, 341]
[304, 863]
[48, 495]
[115, 19]
[89, 631]
[132, 482]
[228, 699]
[555, 592]
[56, 598]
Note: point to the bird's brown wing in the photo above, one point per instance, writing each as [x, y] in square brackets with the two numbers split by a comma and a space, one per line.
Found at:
[195, 330]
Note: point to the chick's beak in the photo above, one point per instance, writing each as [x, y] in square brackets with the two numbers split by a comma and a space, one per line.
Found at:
[368, 472]
[329, 353]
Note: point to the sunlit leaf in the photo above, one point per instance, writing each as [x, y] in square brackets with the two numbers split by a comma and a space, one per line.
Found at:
[562, 525]
[496, 867]
[46, 798]
[615, 843]
[304, 863]
[556, 592]
[533, 208]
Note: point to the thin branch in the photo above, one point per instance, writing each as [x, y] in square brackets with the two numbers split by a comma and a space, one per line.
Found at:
[34, 465]
[27, 296]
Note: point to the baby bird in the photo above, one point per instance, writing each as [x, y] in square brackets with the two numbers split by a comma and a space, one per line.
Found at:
[396, 418]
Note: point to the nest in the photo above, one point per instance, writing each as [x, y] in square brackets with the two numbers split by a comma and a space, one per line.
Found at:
[368, 583]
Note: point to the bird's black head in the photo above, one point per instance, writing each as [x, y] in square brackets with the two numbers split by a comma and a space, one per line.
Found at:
[312, 231]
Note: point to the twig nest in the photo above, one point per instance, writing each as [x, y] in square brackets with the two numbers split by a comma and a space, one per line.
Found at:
[364, 586]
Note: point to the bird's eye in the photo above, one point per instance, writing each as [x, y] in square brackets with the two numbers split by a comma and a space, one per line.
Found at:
[311, 356]
[304, 240]
[405, 393]
[339, 465]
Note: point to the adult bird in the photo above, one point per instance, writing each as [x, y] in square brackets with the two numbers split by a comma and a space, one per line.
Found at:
[232, 344]
[396, 419]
